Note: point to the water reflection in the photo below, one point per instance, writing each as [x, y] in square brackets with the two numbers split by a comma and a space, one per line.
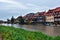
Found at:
[49, 30]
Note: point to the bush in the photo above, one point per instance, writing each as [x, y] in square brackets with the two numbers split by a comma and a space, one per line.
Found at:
[11, 33]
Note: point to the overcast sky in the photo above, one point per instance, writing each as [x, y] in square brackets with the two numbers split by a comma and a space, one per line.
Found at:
[16, 8]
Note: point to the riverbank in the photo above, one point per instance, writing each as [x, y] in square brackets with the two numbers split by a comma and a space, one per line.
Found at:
[11, 33]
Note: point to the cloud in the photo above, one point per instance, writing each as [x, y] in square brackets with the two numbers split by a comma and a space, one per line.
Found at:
[22, 7]
[14, 4]
[37, 8]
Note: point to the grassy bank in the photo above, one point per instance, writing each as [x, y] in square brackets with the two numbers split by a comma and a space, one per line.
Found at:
[11, 33]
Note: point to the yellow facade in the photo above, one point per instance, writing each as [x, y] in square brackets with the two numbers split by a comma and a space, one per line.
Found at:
[49, 18]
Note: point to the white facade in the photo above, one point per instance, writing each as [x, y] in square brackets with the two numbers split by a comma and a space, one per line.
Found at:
[57, 19]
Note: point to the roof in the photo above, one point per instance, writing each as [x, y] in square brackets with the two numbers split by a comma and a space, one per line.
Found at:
[57, 9]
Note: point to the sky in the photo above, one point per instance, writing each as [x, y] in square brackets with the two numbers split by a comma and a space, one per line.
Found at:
[9, 8]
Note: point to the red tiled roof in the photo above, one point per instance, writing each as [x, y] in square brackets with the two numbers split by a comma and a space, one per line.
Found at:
[49, 13]
[57, 9]
[42, 13]
[36, 15]
[46, 14]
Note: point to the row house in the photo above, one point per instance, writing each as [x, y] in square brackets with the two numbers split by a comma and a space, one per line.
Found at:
[34, 18]
[17, 19]
[41, 17]
[57, 14]
[28, 17]
[49, 17]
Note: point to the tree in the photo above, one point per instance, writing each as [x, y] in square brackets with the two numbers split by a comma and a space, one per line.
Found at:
[12, 20]
[21, 20]
[8, 21]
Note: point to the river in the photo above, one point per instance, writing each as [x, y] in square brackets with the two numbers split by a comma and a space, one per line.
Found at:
[49, 30]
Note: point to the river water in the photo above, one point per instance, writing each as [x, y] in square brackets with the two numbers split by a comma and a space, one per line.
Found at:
[49, 30]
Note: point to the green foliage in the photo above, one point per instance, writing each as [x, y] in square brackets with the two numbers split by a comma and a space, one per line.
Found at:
[21, 20]
[11, 33]
[12, 20]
